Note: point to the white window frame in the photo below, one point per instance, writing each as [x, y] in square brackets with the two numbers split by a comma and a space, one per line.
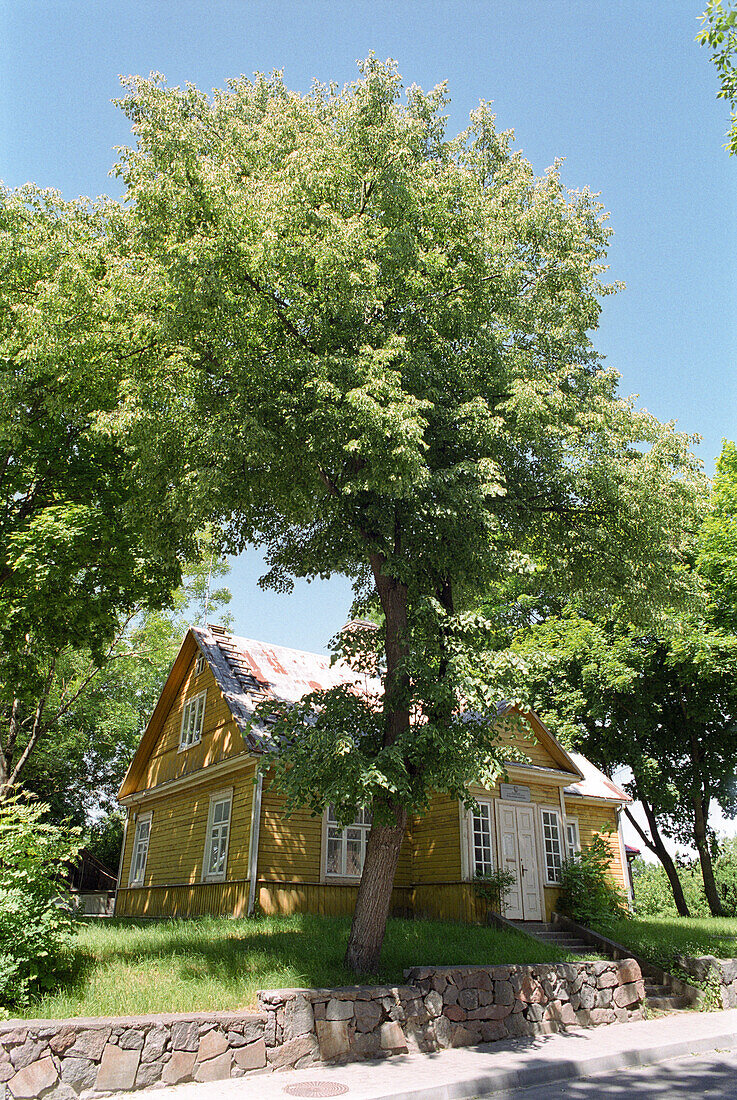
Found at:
[488, 807]
[199, 665]
[217, 799]
[142, 819]
[550, 878]
[192, 735]
[572, 849]
[330, 823]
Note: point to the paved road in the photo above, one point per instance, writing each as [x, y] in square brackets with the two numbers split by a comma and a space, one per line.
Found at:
[696, 1076]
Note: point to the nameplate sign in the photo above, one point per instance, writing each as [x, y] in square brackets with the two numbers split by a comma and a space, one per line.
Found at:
[514, 792]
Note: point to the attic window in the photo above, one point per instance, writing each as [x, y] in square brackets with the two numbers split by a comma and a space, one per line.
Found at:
[193, 717]
[199, 665]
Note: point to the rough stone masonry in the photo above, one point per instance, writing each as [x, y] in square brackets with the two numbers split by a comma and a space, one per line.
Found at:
[439, 1007]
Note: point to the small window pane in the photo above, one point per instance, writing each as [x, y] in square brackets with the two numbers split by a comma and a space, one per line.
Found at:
[335, 848]
[346, 845]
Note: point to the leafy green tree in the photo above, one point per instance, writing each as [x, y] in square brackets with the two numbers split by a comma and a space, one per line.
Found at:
[717, 554]
[81, 550]
[371, 354]
[719, 33]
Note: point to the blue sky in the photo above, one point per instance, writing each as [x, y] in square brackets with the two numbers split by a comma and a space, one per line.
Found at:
[619, 89]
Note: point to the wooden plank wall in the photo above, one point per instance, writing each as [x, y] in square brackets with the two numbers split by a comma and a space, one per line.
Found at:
[594, 819]
[185, 900]
[436, 841]
[325, 900]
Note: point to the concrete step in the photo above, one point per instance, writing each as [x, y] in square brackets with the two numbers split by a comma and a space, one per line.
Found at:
[668, 1004]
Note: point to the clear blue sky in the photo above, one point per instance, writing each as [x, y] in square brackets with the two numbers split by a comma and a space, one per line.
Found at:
[620, 89]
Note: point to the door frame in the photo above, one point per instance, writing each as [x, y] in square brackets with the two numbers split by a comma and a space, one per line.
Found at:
[467, 855]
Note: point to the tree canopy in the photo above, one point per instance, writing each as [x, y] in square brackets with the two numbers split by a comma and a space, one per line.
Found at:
[364, 346]
[719, 33]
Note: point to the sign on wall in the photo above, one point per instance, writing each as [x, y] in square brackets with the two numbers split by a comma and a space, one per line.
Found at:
[514, 792]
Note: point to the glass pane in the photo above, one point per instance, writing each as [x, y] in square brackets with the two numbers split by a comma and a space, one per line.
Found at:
[353, 859]
[334, 855]
[482, 842]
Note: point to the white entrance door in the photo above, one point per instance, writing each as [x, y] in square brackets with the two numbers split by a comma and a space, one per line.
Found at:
[518, 854]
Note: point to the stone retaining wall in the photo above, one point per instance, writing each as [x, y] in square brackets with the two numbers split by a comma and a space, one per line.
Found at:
[721, 974]
[439, 1007]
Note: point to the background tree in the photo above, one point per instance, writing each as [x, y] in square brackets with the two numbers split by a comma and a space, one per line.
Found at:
[371, 348]
[719, 33]
[81, 549]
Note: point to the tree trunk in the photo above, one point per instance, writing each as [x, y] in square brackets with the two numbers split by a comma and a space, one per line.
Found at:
[374, 894]
[656, 845]
[702, 846]
[385, 840]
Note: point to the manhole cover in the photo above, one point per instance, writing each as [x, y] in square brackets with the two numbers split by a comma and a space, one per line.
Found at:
[316, 1088]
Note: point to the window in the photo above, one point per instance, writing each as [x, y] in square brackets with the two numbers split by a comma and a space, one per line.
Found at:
[551, 840]
[218, 830]
[193, 716]
[346, 844]
[140, 850]
[481, 840]
[199, 665]
[573, 844]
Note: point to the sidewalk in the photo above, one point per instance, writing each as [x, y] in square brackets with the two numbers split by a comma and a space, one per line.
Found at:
[477, 1071]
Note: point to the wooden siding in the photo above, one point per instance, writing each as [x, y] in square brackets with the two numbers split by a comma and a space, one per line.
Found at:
[325, 899]
[185, 900]
[220, 740]
[598, 818]
[524, 739]
[290, 848]
[449, 901]
[178, 828]
[436, 842]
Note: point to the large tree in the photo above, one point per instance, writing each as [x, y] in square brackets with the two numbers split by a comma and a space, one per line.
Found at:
[81, 548]
[372, 356]
[719, 33]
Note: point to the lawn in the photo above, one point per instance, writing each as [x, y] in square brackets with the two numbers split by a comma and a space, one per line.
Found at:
[127, 966]
[660, 939]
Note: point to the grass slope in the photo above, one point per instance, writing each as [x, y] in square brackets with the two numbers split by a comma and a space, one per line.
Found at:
[662, 938]
[127, 966]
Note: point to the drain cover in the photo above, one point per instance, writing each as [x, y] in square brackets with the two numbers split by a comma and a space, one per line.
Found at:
[316, 1088]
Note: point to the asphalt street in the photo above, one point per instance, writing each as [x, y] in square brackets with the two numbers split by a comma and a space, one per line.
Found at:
[699, 1076]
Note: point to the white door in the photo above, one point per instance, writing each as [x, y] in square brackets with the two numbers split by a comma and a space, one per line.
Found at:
[518, 854]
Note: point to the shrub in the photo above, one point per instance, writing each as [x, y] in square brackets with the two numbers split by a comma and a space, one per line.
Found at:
[588, 893]
[494, 888]
[34, 927]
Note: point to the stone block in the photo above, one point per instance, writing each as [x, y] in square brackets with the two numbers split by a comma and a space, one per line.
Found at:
[117, 1070]
[560, 1012]
[625, 995]
[60, 1091]
[503, 992]
[365, 1044]
[490, 1012]
[252, 1056]
[6, 1071]
[299, 1018]
[587, 997]
[30, 1051]
[463, 1037]
[534, 1012]
[14, 1036]
[603, 998]
[80, 1073]
[333, 1039]
[90, 1044]
[180, 1067]
[454, 1013]
[628, 971]
[132, 1038]
[443, 1030]
[492, 1030]
[185, 1036]
[214, 1069]
[149, 1073]
[530, 990]
[339, 1010]
[212, 1045]
[33, 1080]
[433, 1003]
[154, 1044]
[63, 1040]
[369, 1013]
[392, 1037]
[607, 980]
[450, 995]
[468, 998]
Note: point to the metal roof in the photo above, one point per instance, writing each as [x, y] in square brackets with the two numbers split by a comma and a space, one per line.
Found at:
[248, 671]
[594, 783]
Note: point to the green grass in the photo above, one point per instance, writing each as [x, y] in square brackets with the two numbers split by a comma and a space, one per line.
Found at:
[127, 966]
[660, 939]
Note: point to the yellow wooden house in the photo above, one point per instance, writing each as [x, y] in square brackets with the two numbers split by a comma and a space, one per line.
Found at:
[205, 834]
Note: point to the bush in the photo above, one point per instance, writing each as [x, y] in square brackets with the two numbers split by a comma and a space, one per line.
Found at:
[653, 895]
[35, 930]
[588, 893]
[494, 887]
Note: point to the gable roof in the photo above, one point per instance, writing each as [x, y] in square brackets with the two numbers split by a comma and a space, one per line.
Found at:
[248, 671]
[594, 783]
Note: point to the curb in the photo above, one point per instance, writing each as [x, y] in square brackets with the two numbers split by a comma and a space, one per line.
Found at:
[503, 1080]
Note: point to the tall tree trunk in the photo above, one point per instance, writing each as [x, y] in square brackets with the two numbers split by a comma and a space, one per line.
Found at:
[385, 839]
[700, 803]
[701, 839]
[656, 845]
